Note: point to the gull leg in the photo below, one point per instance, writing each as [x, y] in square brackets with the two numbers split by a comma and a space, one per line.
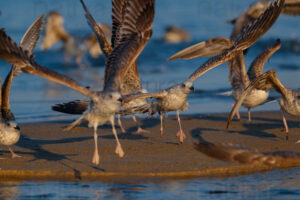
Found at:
[67, 58]
[180, 133]
[249, 116]
[96, 157]
[119, 149]
[75, 123]
[161, 124]
[13, 154]
[120, 124]
[237, 113]
[284, 122]
[139, 130]
[78, 59]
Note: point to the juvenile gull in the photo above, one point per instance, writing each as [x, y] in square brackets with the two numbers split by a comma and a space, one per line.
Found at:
[175, 98]
[9, 129]
[289, 103]
[132, 36]
[131, 81]
[73, 46]
[238, 76]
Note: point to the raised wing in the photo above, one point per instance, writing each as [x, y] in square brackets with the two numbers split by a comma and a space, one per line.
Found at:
[231, 153]
[73, 107]
[207, 48]
[266, 81]
[118, 12]
[160, 94]
[256, 68]
[135, 31]
[245, 39]
[31, 36]
[104, 44]
[11, 52]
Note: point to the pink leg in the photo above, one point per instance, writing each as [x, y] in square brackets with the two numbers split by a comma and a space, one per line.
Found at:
[13, 155]
[180, 133]
[119, 151]
[161, 124]
[96, 158]
[120, 124]
[249, 116]
[67, 58]
[78, 59]
[139, 130]
[237, 113]
[284, 122]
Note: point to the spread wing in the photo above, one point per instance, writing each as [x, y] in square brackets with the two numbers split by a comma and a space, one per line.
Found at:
[31, 36]
[245, 39]
[104, 44]
[257, 65]
[118, 11]
[14, 54]
[266, 81]
[207, 48]
[134, 33]
[231, 153]
[73, 107]
[28, 42]
[159, 95]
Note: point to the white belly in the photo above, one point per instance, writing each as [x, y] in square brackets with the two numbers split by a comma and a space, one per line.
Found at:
[9, 138]
[292, 108]
[255, 98]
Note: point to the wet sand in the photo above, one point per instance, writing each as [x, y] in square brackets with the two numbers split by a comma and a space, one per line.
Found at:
[49, 153]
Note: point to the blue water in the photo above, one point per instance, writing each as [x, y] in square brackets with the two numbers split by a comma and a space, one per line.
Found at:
[32, 97]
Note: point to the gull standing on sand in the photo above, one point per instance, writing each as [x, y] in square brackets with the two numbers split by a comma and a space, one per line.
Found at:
[175, 98]
[238, 76]
[131, 81]
[131, 37]
[289, 103]
[73, 46]
[9, 129]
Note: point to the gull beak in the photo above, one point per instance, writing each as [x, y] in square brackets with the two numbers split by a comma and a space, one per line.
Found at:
[192, 88]
[18, 128]
[120, 99]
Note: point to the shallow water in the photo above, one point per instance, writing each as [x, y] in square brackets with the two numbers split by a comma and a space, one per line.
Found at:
[279, 184]
[32, 97]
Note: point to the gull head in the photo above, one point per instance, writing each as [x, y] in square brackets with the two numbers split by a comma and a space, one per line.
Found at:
[11, 132]
[183, 88]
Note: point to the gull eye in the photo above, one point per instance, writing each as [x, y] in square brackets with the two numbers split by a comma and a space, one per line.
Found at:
[183, 85]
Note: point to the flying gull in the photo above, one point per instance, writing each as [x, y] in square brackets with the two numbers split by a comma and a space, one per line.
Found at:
[175, 98]
[131, 81]
[9, 129]
[131, 38]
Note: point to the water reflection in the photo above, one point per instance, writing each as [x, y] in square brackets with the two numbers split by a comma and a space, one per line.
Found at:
[278, 184]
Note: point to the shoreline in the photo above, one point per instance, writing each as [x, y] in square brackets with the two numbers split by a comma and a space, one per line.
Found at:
[49, 153]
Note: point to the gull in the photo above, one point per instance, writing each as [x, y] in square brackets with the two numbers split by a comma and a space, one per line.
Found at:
[289, 103]
[9, 129]
[175, 34]
[235, 153]
[131, 81]
[291, 7]
[131, 37]
[238, 76]
[175, 98]
[73, 46]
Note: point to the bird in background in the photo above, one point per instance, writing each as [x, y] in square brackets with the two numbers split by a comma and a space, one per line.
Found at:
[72, 46]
